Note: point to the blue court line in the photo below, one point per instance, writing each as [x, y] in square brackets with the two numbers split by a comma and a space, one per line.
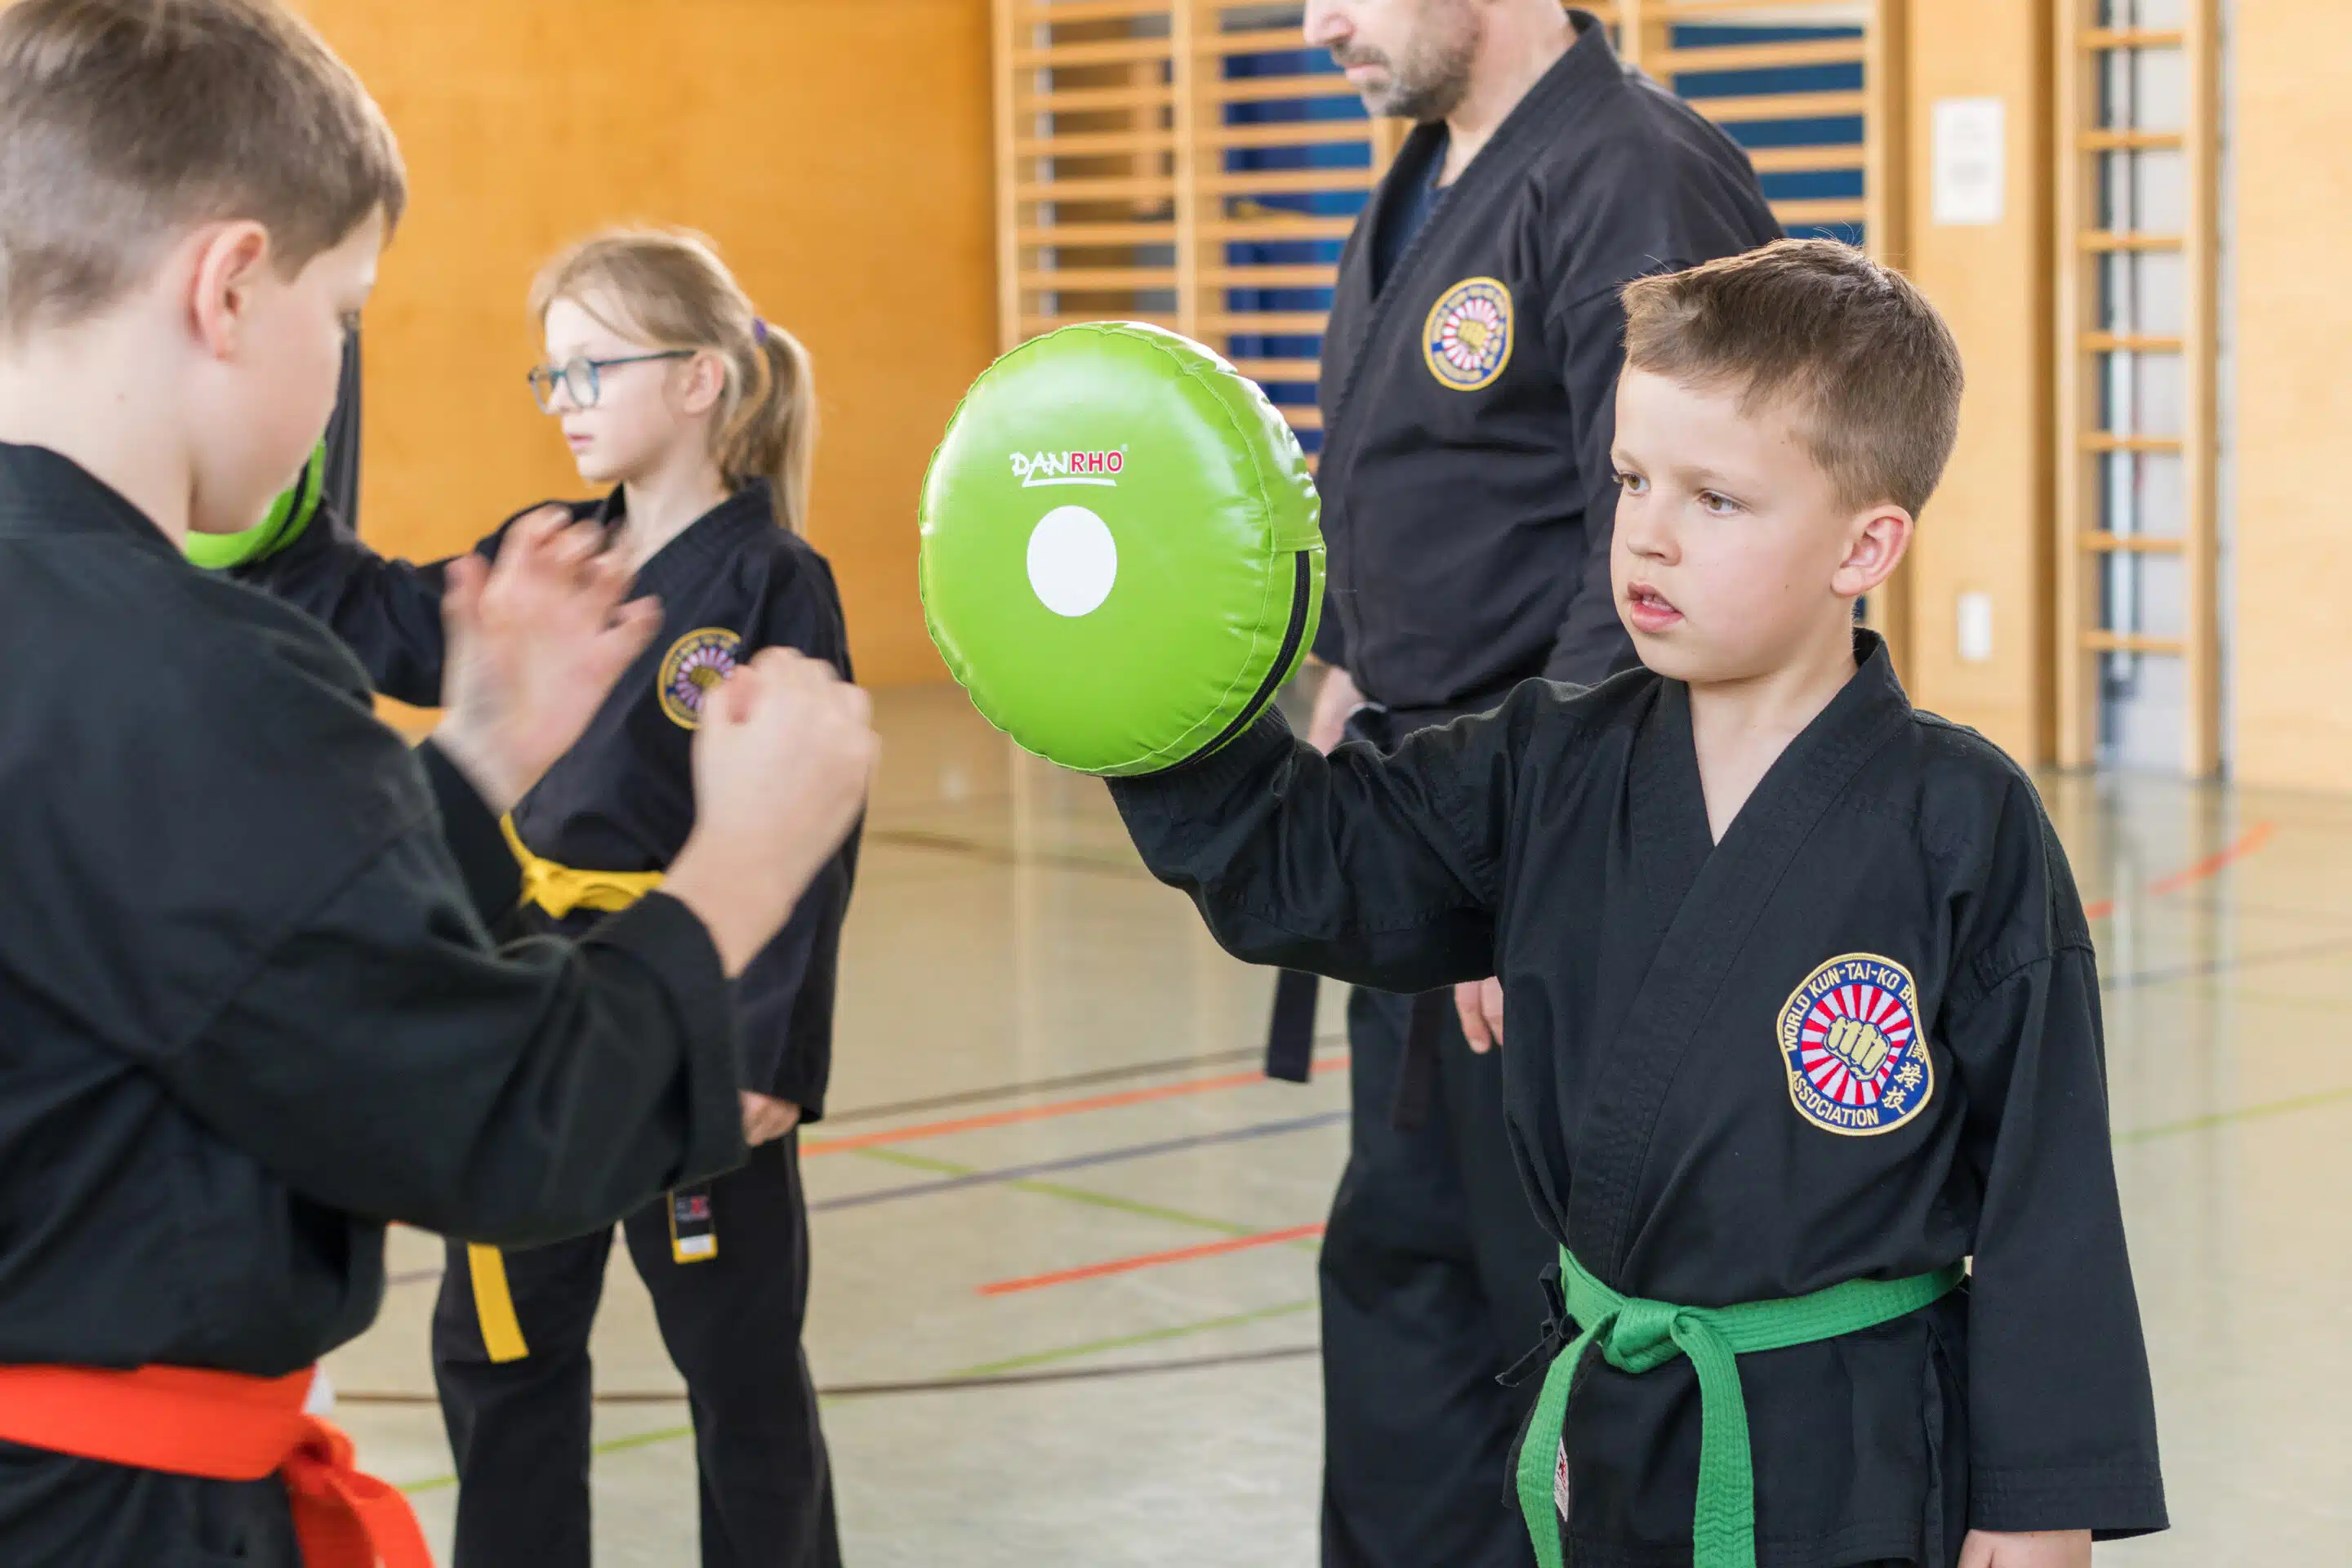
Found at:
[2207, 969]
[1080, 1161]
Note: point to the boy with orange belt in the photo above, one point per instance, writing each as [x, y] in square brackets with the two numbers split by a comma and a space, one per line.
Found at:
[250, 1008]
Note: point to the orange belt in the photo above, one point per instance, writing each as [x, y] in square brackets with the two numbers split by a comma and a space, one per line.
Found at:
[224, 1427]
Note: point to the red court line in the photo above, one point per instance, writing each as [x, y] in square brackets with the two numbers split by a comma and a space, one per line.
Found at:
[1051, 1110]
[1152, 1260]
[2189, 876]
[2256, 837]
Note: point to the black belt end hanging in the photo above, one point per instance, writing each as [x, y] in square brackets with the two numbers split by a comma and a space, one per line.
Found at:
[1417, 1075]
[1290, 1038]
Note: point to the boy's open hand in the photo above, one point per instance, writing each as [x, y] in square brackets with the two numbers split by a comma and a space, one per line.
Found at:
[534, 644]
[2042, 1549]
[766, 1118]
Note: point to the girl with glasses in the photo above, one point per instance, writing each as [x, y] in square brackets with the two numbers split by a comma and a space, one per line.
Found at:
[697, 421]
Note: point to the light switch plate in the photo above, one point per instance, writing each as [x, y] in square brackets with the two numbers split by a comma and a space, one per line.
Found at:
[1976, 628]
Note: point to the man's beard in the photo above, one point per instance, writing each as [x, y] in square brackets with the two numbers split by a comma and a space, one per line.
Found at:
[1431, 78]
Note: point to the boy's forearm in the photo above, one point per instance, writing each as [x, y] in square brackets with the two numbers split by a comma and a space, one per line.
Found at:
[1309, 864]
[383, 1064]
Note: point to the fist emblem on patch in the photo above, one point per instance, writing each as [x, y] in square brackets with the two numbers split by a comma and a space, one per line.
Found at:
[696, 663]
[1850, 1037]
[1858, 1044]
[1467, 338]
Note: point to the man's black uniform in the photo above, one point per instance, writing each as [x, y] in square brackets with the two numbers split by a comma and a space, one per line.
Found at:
[1468, 389]
[250, 1010]
[622, 801]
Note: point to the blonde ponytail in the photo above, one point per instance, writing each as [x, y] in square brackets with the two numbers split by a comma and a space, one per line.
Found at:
[670, 291]
[773, 432]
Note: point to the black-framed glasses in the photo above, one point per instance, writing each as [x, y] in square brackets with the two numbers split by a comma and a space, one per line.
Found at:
[582, 378]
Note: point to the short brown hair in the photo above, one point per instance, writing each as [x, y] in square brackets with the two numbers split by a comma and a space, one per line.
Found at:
[124, 122]
[1863, 358]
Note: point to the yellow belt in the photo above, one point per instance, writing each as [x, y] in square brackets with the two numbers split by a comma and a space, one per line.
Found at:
[560, 889]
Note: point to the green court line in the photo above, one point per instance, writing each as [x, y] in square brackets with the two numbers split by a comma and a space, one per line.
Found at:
[615, 1445]
[2243, 1113]
[1128, 1341]
[1073, 1194]
[984, 1370]
[1038, 1358]
[1288, 1308]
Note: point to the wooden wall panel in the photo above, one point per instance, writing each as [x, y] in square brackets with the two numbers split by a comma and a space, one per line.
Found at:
[2291, 631]
[838, 152]
[1988, 529]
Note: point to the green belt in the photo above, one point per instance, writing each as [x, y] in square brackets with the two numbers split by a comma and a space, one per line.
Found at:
[1637, 1336]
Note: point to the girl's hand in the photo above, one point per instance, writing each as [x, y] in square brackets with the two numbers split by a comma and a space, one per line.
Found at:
[767, 1118]
[2041, 1549]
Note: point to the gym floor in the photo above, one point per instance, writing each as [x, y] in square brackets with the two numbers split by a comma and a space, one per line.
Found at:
[1065, 1233]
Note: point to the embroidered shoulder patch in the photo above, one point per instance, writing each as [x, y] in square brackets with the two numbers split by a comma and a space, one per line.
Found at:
[695, 663]
[1850, 1037]
[1467, 341]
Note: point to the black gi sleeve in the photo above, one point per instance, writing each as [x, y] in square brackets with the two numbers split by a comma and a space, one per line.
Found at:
[1330, 644]
[1381, 871]
[493, 880]
[2062, 1414]
[249, 893]
[784, 998]
[1588, 334]
[388, 612]
[385, 1059]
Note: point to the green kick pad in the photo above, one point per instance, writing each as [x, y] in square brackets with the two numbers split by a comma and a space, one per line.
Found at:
[1120, 556]
[288, 516]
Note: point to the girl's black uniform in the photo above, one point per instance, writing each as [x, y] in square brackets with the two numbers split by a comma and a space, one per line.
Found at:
[515, 1389]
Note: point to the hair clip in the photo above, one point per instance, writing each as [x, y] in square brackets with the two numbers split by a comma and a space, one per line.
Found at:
[758, 330]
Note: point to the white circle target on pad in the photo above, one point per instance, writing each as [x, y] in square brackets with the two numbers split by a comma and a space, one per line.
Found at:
[1073, 560]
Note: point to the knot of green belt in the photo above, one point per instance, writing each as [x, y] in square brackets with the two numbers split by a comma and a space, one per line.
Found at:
[1638, 1336]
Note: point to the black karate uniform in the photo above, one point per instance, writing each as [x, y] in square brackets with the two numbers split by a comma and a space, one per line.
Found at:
[621, 800]
[1666, 1133]
[1468, 389]
[250, 1010]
